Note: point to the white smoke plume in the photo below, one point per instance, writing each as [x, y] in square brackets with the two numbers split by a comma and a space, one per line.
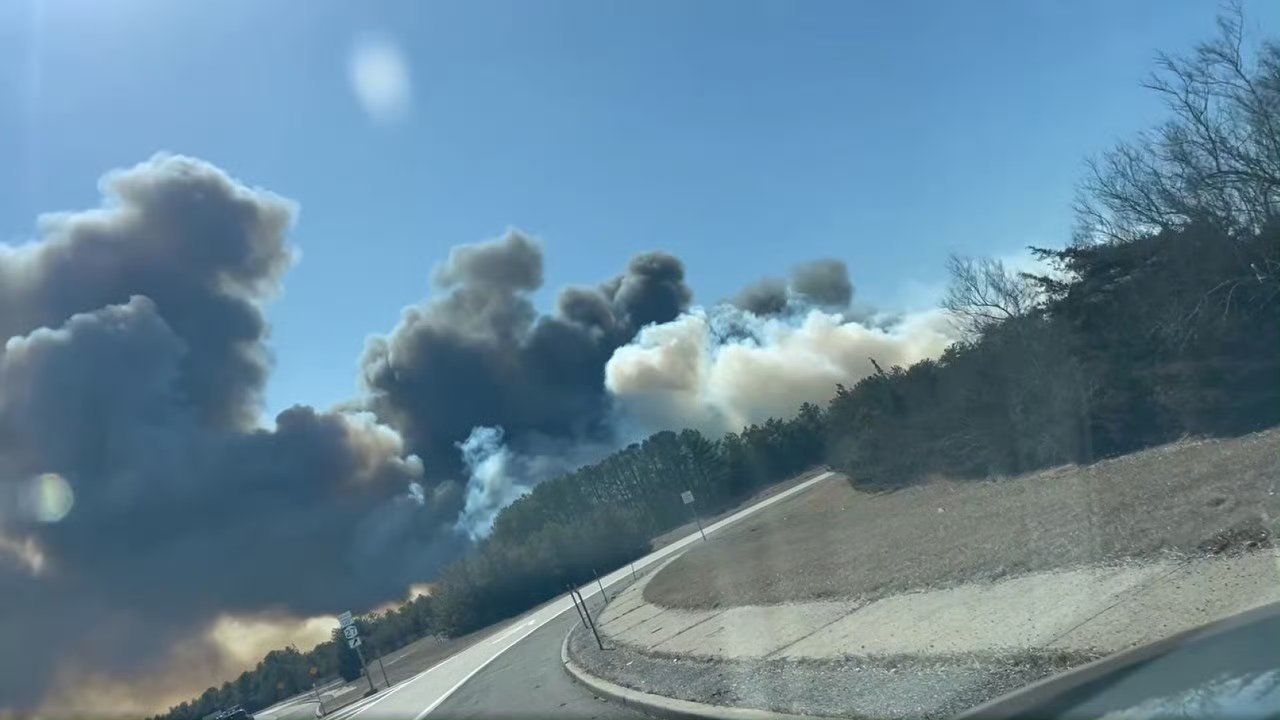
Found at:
[498, 474]
[721, 369]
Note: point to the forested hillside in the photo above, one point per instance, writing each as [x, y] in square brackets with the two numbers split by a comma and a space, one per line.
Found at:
[1160, 319]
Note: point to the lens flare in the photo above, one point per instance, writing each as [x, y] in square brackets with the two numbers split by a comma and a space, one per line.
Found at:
[51, 497]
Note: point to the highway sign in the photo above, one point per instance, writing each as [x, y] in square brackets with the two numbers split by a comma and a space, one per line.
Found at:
[687, 497]
[354, 643]
[350, 632]
[345, 619]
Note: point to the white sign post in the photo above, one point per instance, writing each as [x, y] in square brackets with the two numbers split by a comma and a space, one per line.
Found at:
[687, 498]
[352, 635]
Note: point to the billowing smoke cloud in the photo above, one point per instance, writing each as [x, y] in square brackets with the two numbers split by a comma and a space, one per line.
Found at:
[477, 363]
[821, 284]
[768, 296]
[139, 500]
[142, 504]
[724, 368]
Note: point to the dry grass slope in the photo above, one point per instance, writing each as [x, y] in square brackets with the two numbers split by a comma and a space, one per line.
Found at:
[1190, 497]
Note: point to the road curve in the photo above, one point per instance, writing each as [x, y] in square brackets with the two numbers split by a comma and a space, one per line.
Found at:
[428, 691]
[524, 682]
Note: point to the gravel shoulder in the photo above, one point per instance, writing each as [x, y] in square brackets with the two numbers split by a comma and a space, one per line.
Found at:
[905, 687]
[1192, 498]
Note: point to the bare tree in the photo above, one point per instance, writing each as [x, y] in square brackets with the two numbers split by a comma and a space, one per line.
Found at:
[982, 293]
[1214, 166]
[1216, 161]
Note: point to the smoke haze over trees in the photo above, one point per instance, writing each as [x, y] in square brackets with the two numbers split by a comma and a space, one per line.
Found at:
[139, 499]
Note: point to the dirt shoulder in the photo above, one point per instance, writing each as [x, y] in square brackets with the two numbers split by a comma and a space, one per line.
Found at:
[853, 687]
[1195, 497]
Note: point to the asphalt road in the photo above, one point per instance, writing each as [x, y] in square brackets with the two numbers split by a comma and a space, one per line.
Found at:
[525, 681]
[495, 677]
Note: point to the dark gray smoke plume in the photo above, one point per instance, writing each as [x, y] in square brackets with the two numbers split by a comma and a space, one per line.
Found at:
[764, 297]
[820, 284]
[479, 355]
[823, 282]
[138, 499]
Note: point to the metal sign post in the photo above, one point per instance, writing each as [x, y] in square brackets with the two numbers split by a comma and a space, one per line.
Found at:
[574, 598]
[363, 664]
[385, 679]
[590, 623]
[319, 699]
[600, 585]
[687, 498]
[352, 635]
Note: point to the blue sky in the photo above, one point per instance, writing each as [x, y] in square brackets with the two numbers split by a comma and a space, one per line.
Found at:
[741, 136]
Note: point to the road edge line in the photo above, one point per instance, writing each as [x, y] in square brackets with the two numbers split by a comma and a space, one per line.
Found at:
[661, 705]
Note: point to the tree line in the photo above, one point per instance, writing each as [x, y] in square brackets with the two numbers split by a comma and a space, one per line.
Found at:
[603, 515]
[285, 673]
[1160, 319]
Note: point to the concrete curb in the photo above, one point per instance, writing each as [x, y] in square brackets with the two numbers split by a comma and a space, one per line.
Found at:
[660, 705]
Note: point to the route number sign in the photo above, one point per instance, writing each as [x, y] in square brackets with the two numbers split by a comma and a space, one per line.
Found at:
[687, 497]
[349, 630]
[352, 635]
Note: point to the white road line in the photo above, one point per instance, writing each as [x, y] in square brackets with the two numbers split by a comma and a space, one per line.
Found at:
[608, 580]
[364, 703]
[508, 633]
[480, 667]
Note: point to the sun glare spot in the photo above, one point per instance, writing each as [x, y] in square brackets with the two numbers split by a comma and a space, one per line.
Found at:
[51, 497]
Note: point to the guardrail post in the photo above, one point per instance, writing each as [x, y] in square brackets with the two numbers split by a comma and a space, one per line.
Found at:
[601, 586]
[590, 623]
[574, 598]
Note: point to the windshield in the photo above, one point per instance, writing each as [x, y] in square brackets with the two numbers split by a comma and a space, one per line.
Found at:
[491, 359]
